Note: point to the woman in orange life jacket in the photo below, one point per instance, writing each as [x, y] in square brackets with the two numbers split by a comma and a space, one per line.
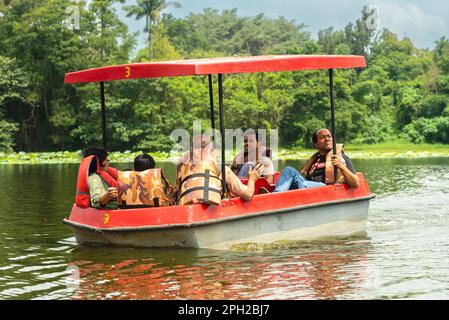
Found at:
[202, 159]
[102, 194]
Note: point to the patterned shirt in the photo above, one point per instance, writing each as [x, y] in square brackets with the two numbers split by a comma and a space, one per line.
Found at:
[97, 188]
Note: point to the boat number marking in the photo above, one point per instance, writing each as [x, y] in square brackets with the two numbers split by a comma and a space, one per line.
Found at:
[128, 71]
[106, 218]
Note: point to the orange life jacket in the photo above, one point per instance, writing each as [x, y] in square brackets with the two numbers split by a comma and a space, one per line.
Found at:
[199, 183]
[82, 187]
[143, 189]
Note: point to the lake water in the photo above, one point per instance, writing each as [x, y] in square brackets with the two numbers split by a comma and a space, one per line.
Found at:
[404, 255]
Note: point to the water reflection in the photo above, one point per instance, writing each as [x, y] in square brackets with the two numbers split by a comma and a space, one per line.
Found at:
[309, 271]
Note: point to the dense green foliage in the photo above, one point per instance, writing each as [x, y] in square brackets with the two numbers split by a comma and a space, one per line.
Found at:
[404, 92]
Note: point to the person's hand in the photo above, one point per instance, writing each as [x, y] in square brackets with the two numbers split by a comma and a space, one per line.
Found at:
[112, 193]
[336, 161]
[255, 173]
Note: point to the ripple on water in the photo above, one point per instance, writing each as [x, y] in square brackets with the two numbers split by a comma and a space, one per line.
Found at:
[24, 257]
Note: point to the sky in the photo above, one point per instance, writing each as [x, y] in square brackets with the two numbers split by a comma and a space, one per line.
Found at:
[424, 22]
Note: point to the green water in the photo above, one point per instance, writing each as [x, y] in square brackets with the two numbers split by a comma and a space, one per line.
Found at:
[404, 255]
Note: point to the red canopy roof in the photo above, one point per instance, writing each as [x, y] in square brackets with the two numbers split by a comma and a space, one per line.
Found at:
[215, 66]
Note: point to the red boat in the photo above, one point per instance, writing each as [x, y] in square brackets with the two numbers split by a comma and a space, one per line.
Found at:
[304, 214]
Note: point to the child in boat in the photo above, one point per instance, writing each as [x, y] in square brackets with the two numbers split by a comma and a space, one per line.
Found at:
[144, 162]
[145, 186]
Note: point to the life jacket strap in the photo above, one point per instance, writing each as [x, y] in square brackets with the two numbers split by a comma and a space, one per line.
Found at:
[206, 186]
[137, 206]
[205, 189]
[198, 175]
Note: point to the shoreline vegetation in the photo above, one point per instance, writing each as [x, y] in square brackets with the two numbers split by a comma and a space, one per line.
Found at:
[365, 151]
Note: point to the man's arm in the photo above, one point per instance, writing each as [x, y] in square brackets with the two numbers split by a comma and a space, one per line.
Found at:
[110, 194]
[350, 176]
[234, 184]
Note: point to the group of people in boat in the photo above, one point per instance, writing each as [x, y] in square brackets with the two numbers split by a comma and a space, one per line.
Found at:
[198, 175]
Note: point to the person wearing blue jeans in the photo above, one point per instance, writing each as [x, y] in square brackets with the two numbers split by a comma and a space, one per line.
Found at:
[313, 174]
[291, 179]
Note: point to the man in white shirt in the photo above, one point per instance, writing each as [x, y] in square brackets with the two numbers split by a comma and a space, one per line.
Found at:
[254, 153]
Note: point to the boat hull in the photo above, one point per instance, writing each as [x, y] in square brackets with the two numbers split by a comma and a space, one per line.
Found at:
[307, 223]
[295, 215]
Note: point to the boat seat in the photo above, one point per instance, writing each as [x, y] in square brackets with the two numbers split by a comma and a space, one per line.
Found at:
[262, 182]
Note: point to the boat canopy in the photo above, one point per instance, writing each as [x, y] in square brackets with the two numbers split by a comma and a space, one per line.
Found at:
[227, 65]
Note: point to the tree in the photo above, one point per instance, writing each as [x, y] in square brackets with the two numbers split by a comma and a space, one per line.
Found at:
[435, 130]
[32, 32]
[151, 10]
[329, 40]
[228, 33]
[13, 92]
[442, 54]
[399, 58]
[359, 36]
[163, 49]
[433, 106]
[106, 21]
[408, 101]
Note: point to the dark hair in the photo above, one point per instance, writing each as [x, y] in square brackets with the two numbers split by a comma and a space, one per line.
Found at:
[101, 154]
[144, 162]
[315, 135]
